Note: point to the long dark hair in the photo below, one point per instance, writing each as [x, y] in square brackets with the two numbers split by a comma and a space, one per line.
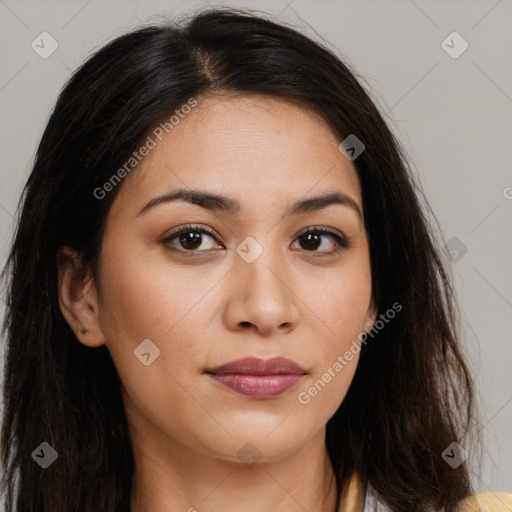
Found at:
[412, 394]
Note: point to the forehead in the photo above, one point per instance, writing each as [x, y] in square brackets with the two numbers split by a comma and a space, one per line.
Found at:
[264, 152]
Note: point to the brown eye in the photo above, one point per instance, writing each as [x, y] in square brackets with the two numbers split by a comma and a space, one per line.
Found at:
[189, 239]
[313, 238]
[311, 241]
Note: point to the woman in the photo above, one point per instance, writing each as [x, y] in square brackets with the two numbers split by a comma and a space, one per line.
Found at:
[223, 293]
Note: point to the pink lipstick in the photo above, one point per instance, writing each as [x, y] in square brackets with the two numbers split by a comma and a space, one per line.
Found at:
[258, 378]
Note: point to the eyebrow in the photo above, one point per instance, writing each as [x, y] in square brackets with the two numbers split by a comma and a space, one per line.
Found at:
[211, 201]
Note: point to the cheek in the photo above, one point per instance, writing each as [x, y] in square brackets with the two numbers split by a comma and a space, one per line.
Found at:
[340, 303]
[341, 306]
[339, 310]
[145, 293]
[325, 390]
[140, 300]
[145, 301]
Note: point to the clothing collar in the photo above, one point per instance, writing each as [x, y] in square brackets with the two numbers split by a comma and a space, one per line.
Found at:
[353, 499]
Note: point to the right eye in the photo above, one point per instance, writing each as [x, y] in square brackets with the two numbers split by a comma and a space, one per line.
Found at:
[189, 237]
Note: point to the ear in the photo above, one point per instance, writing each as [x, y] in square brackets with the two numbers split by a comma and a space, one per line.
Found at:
[371, 315]
[78, 299]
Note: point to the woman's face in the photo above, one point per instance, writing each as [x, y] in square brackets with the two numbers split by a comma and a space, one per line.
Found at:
[254, 285]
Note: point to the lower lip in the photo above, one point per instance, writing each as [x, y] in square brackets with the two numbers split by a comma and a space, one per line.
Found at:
[258, 386]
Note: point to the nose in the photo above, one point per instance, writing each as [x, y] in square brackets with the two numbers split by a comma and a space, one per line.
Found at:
[262, 298]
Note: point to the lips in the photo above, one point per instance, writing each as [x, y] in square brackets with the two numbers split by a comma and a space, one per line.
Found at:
[255, 366]
[258, 378]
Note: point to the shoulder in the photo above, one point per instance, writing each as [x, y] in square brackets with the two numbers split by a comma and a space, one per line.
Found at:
[487, 502]
[357, 499]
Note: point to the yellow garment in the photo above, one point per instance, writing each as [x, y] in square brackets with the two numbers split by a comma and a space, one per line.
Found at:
[488, 502]
[353, 500]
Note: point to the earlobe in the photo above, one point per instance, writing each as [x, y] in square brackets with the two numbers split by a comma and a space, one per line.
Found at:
[78, 301]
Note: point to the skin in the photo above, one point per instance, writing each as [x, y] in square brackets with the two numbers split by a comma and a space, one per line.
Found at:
[207, 310]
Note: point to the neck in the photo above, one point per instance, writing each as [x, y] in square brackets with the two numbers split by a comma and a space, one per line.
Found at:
[170, 476]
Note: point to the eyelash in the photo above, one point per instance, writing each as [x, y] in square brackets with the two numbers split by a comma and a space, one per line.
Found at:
[341, 243]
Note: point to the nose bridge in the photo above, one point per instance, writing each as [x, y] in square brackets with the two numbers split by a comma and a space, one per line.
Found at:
[263, 261]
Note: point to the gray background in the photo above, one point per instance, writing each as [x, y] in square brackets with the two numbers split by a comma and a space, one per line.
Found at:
[452, 114]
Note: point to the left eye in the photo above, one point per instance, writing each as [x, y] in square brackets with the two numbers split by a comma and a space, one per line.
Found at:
[190, 239]
[313, 239]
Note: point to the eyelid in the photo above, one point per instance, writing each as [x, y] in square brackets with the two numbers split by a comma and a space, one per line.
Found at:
[191, 227]
[322, 229]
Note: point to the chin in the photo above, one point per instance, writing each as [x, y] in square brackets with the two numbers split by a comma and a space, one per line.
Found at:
[260, 445]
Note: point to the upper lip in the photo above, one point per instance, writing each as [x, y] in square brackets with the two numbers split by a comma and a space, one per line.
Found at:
[256, 366]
